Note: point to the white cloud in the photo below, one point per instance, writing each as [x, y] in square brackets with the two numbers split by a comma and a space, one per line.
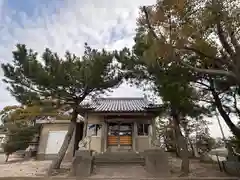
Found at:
[101, 23]
[106, 23]
[77, 22]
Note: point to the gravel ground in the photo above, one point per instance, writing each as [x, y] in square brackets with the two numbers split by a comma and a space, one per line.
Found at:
[16, 167]
[197, 169]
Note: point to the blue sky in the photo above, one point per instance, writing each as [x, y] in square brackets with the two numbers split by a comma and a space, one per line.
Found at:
[27, 6]
[65, 25]
[33, 8]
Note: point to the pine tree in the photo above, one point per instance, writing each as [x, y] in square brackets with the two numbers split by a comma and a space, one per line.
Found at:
[68, 80]
[201, 36]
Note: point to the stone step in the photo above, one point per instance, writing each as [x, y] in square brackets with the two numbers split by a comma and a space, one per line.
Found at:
[119, 162]
[115, 160]
[174, 178]
[164, 178]
[119, 157]
[118, 178]
[122, 154]
[119, 170]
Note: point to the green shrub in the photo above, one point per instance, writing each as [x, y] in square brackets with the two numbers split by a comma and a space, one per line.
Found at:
[19, 135]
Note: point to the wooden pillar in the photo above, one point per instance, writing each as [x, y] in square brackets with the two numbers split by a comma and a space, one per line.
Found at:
[154, 129]
[153, 132]
[118, 135]
[103, 136]
[85, 126]
[134, 136]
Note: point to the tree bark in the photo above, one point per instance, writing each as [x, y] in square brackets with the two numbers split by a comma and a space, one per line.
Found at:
[57, 162]
[176, 144]
[235, 130]
[184, 154]
[7, 156]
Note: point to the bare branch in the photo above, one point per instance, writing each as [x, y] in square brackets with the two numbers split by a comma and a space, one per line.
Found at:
[207, 101]
[235, 103]
[213, 72]
[198, 52]
[234, 40]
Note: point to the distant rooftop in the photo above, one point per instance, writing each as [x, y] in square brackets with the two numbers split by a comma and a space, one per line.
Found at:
[119, 105]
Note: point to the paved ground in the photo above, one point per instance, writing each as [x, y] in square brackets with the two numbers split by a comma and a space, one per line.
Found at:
[16, 168]
[120, 171]
[61, 178]
[2, 158]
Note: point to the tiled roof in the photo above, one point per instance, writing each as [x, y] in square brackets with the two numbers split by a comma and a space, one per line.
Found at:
[119, 105]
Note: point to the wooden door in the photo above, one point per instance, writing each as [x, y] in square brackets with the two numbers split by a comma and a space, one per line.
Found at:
[119, 134]
[125, 134]
[113, 134]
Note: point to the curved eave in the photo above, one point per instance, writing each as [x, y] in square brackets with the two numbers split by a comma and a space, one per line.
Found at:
[148, 111]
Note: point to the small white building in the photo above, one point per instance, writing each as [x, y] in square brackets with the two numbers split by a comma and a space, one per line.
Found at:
[114, 124]
[221, 152]
[2, 139]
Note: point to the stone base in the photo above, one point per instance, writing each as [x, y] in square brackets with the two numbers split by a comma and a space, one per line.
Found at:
[205, 158]
[82, 164]
[232, 168]
[156, 162]
[41, 157]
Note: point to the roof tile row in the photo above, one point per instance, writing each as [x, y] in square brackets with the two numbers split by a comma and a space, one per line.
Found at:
[119, 105]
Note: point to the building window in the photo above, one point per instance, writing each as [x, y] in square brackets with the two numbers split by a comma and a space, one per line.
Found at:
[113, 129]
[143, 129]
[94, 130]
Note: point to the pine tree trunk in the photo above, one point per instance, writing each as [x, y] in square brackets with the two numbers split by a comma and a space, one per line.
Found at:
[235, 129]
[7, 156]
[57, 162]
[182, 144]
[177, 148]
